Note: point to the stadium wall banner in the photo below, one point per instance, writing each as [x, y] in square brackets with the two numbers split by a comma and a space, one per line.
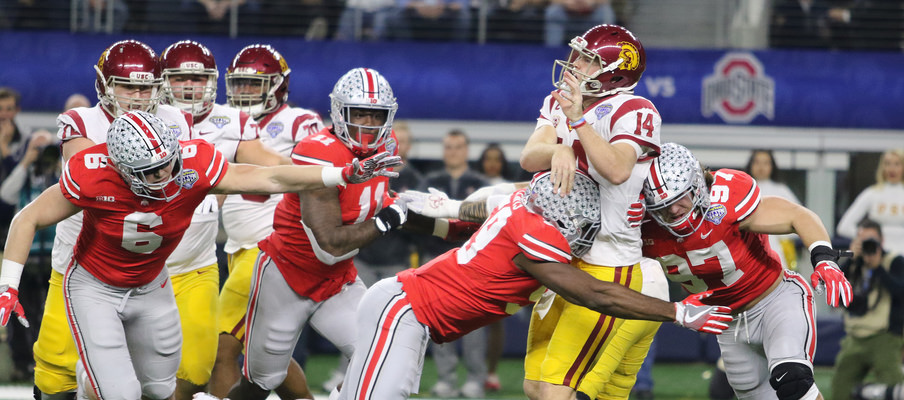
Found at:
[505, 82]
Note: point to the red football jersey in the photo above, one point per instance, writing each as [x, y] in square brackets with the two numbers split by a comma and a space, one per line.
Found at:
[478, 283]
[736, 265]
[289, 244]
[125, 239]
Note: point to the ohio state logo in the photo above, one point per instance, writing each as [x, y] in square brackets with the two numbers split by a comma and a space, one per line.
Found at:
[738, 90]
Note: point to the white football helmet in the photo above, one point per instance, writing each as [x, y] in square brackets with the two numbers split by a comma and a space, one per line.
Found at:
[577, 215]
[362, 88]
[140, 144]
[676, 173]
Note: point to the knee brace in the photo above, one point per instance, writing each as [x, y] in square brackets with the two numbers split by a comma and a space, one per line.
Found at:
[791, 380]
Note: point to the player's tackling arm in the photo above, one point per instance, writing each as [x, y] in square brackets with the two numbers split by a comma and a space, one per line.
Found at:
[777, 216]
[580, 288]
[48, 209]
[246, 178]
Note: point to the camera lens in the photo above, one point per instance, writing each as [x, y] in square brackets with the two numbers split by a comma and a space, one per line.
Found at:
[871, 246]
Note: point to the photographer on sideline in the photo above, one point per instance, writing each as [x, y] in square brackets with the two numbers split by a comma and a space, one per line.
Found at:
[874, 320]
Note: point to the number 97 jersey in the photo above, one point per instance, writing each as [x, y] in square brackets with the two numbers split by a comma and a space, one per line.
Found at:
[736, 265]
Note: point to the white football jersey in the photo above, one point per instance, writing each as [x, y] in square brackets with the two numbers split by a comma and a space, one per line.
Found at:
[224, 127]
[92, 123]
[621, 118]
[249, 219]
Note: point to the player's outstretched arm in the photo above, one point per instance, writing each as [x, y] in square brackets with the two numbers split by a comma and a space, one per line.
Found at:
[580, 288]
[48, 209]
[244, 178]
[254, 152]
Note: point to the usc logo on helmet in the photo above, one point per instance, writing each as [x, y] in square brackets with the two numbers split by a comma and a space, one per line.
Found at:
[631, 56]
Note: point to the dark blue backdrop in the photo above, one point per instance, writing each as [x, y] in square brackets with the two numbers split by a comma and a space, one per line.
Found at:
[508, 82]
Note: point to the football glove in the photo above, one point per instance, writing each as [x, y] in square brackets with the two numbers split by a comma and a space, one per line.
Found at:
[691, 313]
[359, 171]
[9, 304]
[392, 216]
[827, 275]
[434, 204]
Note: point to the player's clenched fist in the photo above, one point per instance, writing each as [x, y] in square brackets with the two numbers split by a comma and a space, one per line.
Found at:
[359, 171]
[692, 314]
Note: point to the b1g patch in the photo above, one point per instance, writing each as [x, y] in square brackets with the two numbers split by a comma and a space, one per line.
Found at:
[716, 213]
[187, 178]
[275, 128]
[220, 121]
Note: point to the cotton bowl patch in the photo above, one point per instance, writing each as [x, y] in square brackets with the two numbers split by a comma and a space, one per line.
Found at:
[187, 178]
[716, 213]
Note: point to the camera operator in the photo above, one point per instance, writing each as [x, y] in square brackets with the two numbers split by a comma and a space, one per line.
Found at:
[874, 320]
[38, 169]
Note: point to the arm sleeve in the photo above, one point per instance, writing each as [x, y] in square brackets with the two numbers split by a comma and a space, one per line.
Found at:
[12, 185]
[847, 226]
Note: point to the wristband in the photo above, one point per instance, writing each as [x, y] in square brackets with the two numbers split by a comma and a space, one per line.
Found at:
[577, 124]
[822, 251]
[11, 273]
[441, 227]
[332, 176]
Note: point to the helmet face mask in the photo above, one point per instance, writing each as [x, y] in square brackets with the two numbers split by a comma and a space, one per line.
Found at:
[576, 216]
[607, 59]
[128, 78]
[140, 146]
[189, 77]
[257, 81]
[359, 93]
[675, 192]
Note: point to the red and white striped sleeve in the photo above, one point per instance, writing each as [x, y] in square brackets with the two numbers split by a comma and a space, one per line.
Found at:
[545, 245]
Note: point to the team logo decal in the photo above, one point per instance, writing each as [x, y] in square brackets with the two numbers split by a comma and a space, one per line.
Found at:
[630, 55]
[275, 128]
[602, 111]
[716, 213]
[187, 178]
[739, 89]
[220, 121]
[176, 130]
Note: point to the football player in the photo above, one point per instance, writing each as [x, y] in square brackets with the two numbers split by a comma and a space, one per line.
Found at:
[709, 231]
[128, 78]
[138, 192]
[190, 83]
[594, 123]
[257, 83]
[305, 272]
[527, 242]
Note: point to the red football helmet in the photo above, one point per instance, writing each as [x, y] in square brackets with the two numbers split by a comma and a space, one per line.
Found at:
[613, 49]
[257, 81]
[131, 63]
[188, 57]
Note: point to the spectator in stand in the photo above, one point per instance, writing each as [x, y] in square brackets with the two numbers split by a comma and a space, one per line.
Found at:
[867, 24]
[882, 202]
[457, 181]
[431, 20]
[762, 167]
[800, 23]
[76, 100]
[10, 141]
[874, 320]
[569, 18]
[515, 20]
[364, 20]
[38, 169]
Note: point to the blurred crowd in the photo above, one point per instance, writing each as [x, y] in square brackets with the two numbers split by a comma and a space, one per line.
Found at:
[839, 24]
